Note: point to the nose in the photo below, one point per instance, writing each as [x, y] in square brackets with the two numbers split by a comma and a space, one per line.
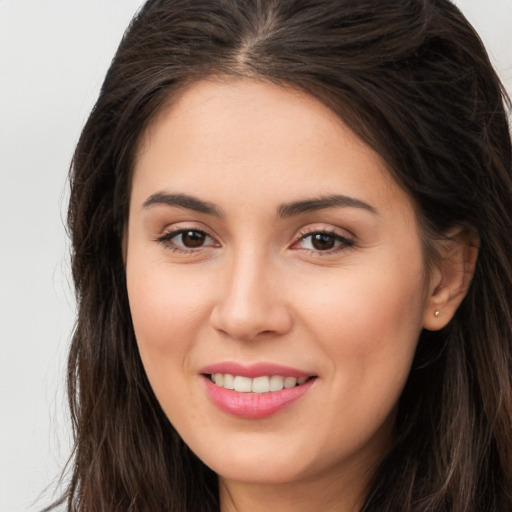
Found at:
[252, 301]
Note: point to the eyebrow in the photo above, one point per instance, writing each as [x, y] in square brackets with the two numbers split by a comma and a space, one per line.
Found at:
[284, 210]
[182, 201]
[321, 203]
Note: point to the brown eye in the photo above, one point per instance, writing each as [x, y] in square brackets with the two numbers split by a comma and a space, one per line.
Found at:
[192, 238]
[187, 240]
[323, 241]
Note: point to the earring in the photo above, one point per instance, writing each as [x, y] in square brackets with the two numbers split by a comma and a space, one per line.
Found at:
[437, 313]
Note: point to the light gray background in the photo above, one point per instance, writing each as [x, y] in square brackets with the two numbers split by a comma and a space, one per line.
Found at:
[53, 56]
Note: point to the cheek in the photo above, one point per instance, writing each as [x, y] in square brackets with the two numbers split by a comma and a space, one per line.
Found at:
[368, 326]
[365, 309]
[167, 310]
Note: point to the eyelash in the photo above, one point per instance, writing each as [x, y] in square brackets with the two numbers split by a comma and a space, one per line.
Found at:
[344, 243]
[167, 240]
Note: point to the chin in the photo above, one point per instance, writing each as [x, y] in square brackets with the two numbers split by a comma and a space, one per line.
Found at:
[263, 473]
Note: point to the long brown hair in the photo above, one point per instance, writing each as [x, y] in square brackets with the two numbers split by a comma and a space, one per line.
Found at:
[413, 80]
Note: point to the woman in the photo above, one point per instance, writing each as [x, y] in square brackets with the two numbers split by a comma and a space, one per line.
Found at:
[291, 248]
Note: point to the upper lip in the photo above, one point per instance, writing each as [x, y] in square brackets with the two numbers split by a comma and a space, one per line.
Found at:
[254, 370]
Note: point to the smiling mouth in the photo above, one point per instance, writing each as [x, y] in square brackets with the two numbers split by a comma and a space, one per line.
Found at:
[263, 384]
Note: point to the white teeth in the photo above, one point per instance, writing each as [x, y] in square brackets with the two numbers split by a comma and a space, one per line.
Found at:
[263, 384]
[276, 383]
[243, 384]
[260, 385]
[290, 382]
[229, 381]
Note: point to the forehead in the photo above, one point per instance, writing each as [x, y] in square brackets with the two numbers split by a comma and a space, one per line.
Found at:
[258, 140]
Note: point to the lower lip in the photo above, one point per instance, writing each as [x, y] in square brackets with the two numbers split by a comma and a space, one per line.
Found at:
[254, 405]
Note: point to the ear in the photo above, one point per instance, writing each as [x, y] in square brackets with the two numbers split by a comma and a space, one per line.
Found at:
[450, 277]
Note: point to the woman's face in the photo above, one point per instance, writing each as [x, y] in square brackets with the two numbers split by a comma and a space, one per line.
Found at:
[268, 243]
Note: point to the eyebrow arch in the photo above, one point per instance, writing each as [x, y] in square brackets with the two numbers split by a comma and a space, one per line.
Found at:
[182, 201]
[321, 203]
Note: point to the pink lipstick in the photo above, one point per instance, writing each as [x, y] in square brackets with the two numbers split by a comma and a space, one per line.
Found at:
[255, 391]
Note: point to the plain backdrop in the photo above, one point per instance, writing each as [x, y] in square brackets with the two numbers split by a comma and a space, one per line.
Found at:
[53, 56]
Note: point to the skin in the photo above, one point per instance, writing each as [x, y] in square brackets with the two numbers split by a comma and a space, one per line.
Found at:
[256, 289]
